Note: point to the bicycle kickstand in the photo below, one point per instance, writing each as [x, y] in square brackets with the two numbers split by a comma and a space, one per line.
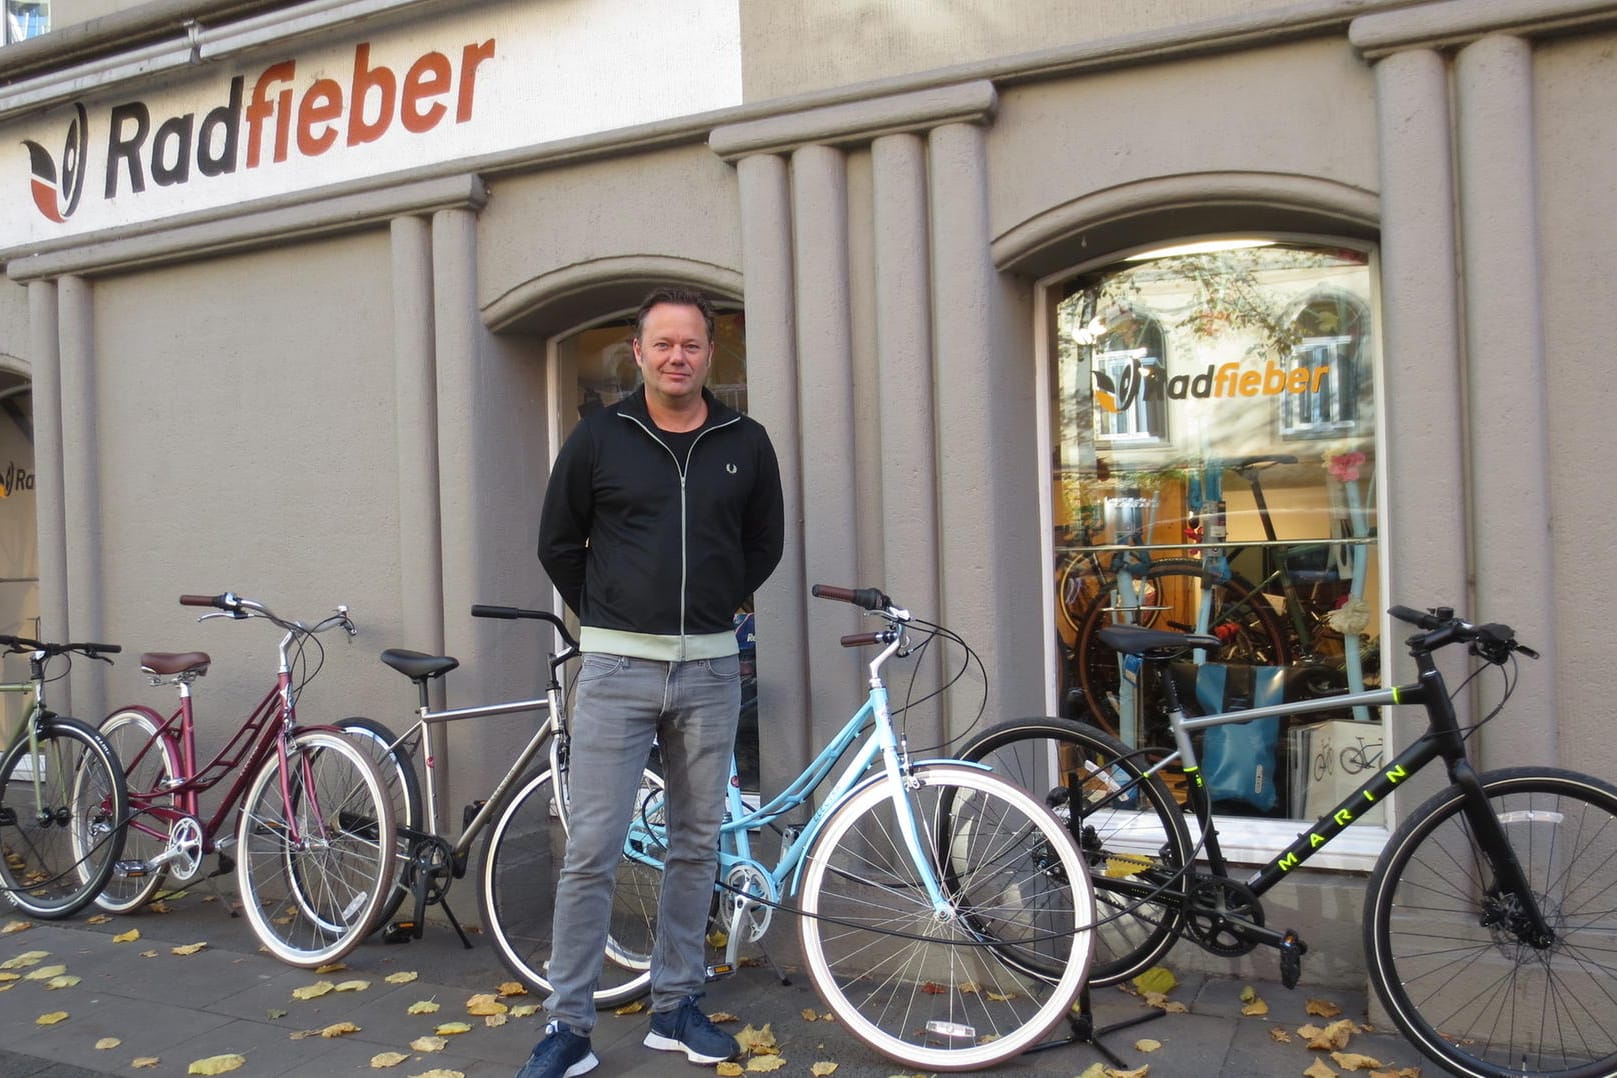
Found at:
[1081, 1020]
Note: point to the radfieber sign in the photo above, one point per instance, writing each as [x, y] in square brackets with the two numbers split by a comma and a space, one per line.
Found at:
[497, 78]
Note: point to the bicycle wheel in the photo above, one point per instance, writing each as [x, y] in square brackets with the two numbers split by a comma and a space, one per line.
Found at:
[1458, 980]
[1128, 826]
[1168, 595]
[58, 848]
[149, 761]
[961, 991]
[403, 790]
[312, 865]
[522, 861]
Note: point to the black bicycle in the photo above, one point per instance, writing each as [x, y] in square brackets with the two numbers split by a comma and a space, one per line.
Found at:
[1490, 923]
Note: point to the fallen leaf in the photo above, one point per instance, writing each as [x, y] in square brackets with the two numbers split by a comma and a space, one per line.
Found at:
[388, 1059]
[159, 907]
[1156, 979]
[313, 991]
[353, 986]
[512, 988]
[766, 1063]
[428, 1044]
[338, 1029]
[216, 1064]
[148, 954]
[275, 1013]
[185, 950]
[809, 1015]
[998, 997]
[144, 1062]
[1353, 1061]
[757, 1041]
[1335, 1035]
[1318, 1069]
[1146, 1044]
[5, 977]
[303, 1034]
[65, 981]
[130, 937]
[1280, 1035]
[527, 1010]
[1322, 1008]
[17, 926]
[45, 973]
[820, 1070]
[485, 1004]
[1248, 994]
[26, 959]
[1256, 1008]
[1097, 1069]
[722, 1016]
[1139, 1072]
[425, 1006]
[107, 1042]
[98, 919]
[51, 1019]
[729, 1070]
[631, 1008]
[440, 1072]
[401, 977]
[446, 1029]
[330, 967]
[495, 1021]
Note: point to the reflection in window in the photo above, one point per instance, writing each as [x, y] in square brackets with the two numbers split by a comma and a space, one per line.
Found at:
[1330, 333]
[1129, 381]
[26, 19]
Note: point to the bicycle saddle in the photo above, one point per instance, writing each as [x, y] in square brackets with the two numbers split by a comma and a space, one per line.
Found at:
[416, 665]
[1138, 640]
[179, 662]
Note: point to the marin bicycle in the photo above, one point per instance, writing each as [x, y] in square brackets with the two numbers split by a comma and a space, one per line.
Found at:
[61, 795]
[308, 845]
[943, 912]
[1489, 924]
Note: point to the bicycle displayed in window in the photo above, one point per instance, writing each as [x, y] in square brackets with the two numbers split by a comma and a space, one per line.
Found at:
[1488, 920]
[61, 795]
[943, 912]
[312, 866]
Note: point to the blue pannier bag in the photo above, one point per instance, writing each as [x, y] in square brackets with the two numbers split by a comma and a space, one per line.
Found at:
[1238, 759]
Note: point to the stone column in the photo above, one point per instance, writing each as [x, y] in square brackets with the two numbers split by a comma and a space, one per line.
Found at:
[81, 486]
[50, 479]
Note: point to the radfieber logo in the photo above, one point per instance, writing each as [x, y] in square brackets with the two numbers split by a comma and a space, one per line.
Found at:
[57, 184]
[1117, 391]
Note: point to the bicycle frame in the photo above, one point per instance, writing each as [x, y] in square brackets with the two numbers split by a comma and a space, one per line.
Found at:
[29, 727]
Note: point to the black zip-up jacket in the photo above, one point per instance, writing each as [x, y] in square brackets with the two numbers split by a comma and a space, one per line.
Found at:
[655, 554]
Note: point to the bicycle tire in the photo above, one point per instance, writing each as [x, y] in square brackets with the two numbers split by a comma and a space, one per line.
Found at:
[313, 903]
[149, 761]
[522, 858]
[1457, 981]
[404, 791]
[1078, 581]
[1240, 615]
[1129, 828]
[951, 993]
[56, 856]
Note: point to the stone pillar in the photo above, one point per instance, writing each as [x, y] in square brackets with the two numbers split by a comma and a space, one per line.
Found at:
[50, 479]
[81, 486]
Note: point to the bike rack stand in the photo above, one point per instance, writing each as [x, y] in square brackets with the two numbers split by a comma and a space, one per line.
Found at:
[1082, 1023]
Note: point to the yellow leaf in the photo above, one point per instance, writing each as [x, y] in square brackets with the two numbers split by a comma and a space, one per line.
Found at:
[1319, 1069]
[440, 1072]
[1097, 1069]
[148, 954]
[4, 977]
[728, 1070]
[130, 937]
[447, 1029]
[524, 1010]
[809, 1015]
[1146, 1044]
[402, 977]
[1335, 1035]
[1256, 1008]
[717, 939]
[65, 981]
[1156, 979]
[1322, 1008]
[428, 1044]
[18, 926]
[485, 1004]
[1248, 994]
[1353, 1061]
[51, 1019]
[388, 1059]
[425, 1006]
[45, 973]
[631, 1008]
[159, 907]
[722, 1016]
[216, 1064]
[107, 1042]
[330, 967]
[756, 1040]
[98, 919]
[26, 959]
[313, 991]
[353, 986]
[337, 1029]
[303, 1034]
[820, 1070]
[185, 950]
[144, 1062]
[1139, 1072]
[766, 1063]
[1280, 1035]
[512, 988]
[494, 1021]
[998, 997]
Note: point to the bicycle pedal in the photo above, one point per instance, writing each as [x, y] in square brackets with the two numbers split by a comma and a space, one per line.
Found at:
[400, 932]
[131, 870]
[1292, 949]
[467, 813]
[723, 969]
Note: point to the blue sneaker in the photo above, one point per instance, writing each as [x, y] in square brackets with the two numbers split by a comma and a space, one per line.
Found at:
[562, 1054]
[686, 1029]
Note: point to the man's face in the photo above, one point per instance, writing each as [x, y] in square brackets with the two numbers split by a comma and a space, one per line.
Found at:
[674, 353]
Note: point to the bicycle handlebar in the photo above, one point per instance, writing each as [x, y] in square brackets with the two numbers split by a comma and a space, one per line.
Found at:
[517, 613]
[237, 607]
[1493, 642]
[868, 598]
[92, 651]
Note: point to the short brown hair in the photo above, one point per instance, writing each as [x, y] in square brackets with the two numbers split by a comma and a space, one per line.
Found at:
[678, 297]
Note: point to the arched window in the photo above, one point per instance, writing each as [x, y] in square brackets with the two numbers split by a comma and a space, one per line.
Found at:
[1329, 335]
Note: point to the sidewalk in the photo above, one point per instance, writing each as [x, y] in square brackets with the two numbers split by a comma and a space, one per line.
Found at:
[229, 998]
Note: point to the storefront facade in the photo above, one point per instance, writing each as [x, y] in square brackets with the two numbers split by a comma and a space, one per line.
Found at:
[308, 296]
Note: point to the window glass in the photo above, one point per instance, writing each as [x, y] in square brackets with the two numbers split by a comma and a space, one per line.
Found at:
[598, 369]
[26, 19]
[1213, 428]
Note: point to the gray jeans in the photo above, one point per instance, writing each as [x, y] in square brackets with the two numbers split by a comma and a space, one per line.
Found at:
[691, 709]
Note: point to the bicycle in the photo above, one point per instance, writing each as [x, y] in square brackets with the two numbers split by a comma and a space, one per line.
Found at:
[1489, 923]
[943, 911]
[311, 866]
[522, 822]
[61, 796]
[1360, 757]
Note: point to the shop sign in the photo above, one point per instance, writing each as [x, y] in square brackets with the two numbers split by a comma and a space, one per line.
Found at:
[496, 77]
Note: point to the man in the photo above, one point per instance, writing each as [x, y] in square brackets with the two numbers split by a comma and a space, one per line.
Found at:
[662, 515]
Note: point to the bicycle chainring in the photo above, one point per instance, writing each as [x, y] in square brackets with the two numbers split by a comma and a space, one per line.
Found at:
[185, 847]
[1215, 915]
[759, 891]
